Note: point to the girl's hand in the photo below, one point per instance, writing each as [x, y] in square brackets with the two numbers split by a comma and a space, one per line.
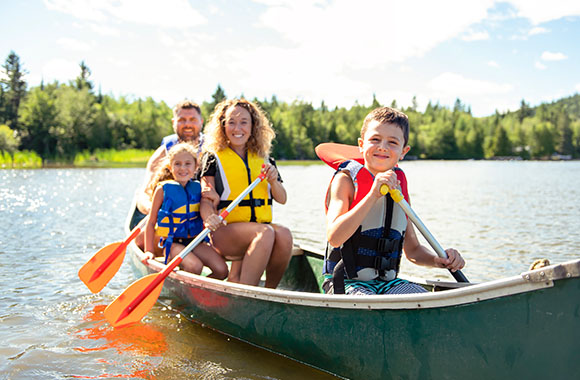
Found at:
[210, 194]
[453, 262]
[213, 222]
[388, 178]
[271, 172]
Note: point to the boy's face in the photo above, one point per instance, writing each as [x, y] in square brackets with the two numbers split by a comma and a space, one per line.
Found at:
[382, 146]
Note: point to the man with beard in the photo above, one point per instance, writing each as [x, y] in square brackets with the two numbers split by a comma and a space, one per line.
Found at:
[187, 124]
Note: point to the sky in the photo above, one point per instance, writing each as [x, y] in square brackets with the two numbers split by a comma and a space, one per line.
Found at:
[489, 54]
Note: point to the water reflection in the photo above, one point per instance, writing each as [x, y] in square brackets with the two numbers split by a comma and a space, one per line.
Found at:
[142, 343]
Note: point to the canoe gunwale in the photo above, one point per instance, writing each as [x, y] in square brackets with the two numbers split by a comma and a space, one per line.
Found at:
[454, 297]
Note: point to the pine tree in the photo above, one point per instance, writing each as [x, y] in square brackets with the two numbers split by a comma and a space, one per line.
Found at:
[13, 89]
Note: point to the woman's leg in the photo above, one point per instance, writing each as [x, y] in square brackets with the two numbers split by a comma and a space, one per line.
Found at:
[252, 242]
[281, 255]
[235, 271]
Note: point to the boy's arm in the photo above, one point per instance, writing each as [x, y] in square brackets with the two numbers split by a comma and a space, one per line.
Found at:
[150, 227]
[341, 222]
[421, 255]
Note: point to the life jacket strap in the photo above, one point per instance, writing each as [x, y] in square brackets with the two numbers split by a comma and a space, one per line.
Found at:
[246, 203]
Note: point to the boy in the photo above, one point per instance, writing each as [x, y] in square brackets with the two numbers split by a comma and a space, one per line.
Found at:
[366, 230]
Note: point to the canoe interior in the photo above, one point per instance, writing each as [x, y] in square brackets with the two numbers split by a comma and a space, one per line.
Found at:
[304, 272]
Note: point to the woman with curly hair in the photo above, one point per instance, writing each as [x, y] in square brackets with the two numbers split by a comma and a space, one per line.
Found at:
[237, 146]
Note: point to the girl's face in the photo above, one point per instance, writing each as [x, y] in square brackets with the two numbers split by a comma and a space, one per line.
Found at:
[238, 126]
[183, 167]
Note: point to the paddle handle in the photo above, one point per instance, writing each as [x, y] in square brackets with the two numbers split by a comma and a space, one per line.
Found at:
[400, 200]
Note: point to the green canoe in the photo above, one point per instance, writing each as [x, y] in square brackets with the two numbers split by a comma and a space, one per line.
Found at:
[522, 327]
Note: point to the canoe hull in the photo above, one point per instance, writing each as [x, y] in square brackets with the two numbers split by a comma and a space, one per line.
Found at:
[528, 334]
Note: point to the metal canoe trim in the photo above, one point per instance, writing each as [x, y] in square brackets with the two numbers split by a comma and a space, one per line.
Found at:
[555, 272]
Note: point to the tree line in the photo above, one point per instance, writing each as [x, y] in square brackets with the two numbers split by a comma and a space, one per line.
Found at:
[58, 120]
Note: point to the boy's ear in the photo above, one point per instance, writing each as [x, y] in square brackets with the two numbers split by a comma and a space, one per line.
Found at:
[406, 149]
[360, 144]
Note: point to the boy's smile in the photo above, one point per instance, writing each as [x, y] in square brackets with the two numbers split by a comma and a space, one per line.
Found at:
[382, 146]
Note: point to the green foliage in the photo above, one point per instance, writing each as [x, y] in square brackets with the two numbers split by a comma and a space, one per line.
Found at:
[13, 90]
[70, 123]
[8, 141]
[20, 159]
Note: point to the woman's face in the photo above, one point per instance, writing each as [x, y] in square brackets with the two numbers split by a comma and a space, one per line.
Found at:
[238, 126]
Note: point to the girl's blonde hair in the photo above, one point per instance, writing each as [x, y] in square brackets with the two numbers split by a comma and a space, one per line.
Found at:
[163, 173]
[261, 136]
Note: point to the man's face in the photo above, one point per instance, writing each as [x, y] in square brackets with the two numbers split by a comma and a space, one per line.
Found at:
[187, 124]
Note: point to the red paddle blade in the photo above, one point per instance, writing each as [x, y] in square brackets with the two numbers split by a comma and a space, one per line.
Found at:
[100, 269]
[333, 154]
[135, 302]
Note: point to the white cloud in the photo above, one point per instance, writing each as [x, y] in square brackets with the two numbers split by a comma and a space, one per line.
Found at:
[104, 30]
[549, 56]
[169, 13]
[577, 88]
[476, 36]
[371, 35]
[72, 44]
[540, 66]
[60, 69]
[452, 83]
[541, 11]
[493, 64]
[538, 30]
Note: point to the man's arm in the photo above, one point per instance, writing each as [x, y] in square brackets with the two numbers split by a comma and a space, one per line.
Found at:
[144, 194]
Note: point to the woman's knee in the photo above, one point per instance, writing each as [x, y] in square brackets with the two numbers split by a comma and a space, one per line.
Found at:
[284, 236]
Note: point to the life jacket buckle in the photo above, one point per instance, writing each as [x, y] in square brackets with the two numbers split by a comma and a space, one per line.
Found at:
[384, 263]
[387, 245]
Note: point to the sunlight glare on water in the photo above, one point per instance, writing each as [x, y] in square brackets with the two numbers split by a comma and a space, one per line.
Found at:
[500, 215]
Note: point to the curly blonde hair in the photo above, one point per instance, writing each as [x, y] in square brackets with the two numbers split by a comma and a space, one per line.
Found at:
[260, 141]
[163, 173]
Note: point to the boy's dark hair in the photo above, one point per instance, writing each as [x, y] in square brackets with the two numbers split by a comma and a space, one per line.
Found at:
[387, 115]
[186, 104]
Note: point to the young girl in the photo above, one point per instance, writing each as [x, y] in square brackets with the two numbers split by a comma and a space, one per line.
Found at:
[238, 140]
[175, 214]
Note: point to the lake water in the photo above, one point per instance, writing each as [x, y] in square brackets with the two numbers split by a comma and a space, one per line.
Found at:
[500, 215]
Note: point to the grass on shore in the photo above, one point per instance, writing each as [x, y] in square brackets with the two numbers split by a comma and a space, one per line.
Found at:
[101, 158]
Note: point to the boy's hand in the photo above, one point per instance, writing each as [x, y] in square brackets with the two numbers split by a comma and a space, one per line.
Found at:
[388, 178]
[271, 172]
[453, 262]
[213, 222]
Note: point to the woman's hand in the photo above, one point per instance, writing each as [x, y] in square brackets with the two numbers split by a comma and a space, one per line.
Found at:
[213, 222]
[210, 194]
[271, 173]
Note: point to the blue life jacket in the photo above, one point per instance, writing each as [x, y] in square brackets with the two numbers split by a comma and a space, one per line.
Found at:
[169, 141]
[179, 214]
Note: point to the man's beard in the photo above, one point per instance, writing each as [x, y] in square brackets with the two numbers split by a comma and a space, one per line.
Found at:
[187, 138]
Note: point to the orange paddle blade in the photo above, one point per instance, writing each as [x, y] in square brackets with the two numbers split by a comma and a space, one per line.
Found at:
[100, 269]
[333, 154]
[136, 301]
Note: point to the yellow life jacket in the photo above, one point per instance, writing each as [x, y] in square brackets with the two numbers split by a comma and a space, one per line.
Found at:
[234, 175]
